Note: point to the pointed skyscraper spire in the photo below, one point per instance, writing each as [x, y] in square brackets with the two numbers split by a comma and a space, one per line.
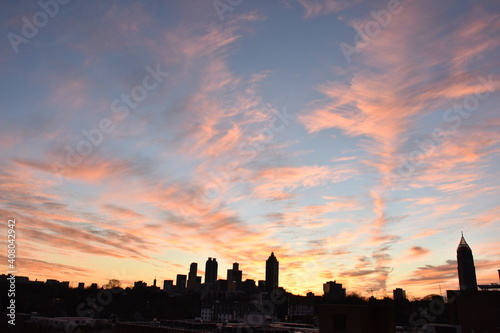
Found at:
[272, 273]
[463, 243]
[466, 269]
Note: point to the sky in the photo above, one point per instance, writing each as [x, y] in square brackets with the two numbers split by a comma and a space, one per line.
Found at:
[354, 139]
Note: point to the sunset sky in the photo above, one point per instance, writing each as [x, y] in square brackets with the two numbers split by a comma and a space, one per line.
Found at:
[355, 139]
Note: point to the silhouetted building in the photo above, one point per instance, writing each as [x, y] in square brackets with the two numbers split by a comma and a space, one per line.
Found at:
[180, 282]
[139, 285]
[51, 282]
[475, 311]
[399, 294]
[333, 292]
[357, 318]
[81, 285]
[234, 277]
[221, 285]
[249, 286]
[272, 273]
[168, 285]
[211, 268]
[466, 269]
[191, 282]
[24, 279]
[261, 284]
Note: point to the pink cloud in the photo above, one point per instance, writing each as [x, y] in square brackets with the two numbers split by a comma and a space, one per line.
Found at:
[277, 183]
[430, 277]
[382, 103]
[41, 269]
[418, 251]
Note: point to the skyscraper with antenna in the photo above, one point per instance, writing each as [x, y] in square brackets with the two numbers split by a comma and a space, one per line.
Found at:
[272, 273]
[466, 269]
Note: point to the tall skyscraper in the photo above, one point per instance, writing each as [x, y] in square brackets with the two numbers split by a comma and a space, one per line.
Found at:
[466, 269]
[234, 277]
[211, 271]
[191, 282]
[208, 271]
[180, 282]
[272, 271]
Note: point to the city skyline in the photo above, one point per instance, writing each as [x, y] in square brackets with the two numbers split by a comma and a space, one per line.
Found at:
[465, 272]
[353, 139]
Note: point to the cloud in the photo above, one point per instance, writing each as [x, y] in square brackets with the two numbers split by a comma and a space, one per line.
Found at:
[429, 276]
[426, 233]
[372, 271]
[317, 7]
[122, 213]
[457, 163]
[40, 268]
[277, 183]
[94, 168]
[417, 251]
[215, 164]
[343, 159]
[314, 216]
[487, 218]
[382, 101]
[390, 95]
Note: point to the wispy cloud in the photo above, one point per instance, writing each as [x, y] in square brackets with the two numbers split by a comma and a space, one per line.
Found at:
[277, 183]
[317, 7]
[383, 103]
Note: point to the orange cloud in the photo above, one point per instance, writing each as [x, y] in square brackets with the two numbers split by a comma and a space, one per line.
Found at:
[488, 217]
[431, 277]
[417, 251]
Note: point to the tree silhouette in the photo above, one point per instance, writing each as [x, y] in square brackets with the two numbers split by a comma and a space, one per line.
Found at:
[113, 283]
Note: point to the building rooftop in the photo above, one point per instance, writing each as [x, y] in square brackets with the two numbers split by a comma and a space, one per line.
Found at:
[463, 243]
